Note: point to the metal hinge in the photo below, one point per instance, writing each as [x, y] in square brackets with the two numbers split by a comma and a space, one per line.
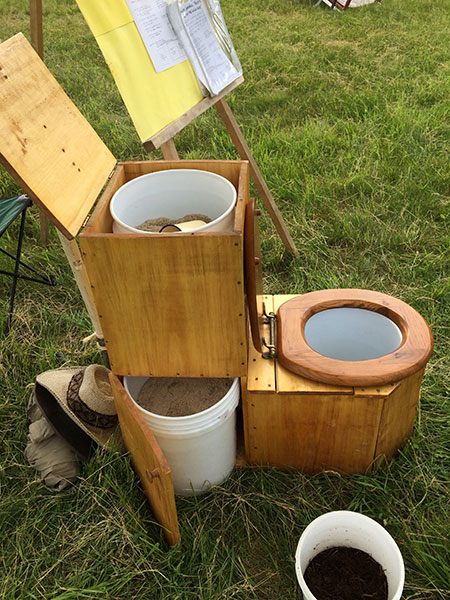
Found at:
[271, 320]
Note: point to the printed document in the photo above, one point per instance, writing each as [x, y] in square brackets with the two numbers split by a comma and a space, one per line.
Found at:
[156, 32]
[193, 25]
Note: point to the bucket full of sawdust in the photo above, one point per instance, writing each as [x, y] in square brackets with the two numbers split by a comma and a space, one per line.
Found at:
[174, 200]
[194, 422]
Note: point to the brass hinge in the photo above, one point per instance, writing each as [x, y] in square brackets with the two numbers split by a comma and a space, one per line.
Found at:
[271, 320]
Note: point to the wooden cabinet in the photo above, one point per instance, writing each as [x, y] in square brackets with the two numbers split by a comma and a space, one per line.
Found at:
[170, 304]
[293, 422]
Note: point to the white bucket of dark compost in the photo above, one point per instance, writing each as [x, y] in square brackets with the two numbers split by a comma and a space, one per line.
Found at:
[349, 529]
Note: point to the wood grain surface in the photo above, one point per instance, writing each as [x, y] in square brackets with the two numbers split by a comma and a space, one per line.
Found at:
[170, 304]
[45, 142]
[148, 461]
[297, 356]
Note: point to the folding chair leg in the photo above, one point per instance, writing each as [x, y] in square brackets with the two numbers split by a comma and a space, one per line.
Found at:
[16, 273]
[44, 279]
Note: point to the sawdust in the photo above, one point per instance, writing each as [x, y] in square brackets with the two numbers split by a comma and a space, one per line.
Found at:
[154, 225]
[178, 397]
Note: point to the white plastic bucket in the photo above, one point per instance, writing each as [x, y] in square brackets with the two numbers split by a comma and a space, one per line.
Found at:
[200, 448]
[174, 193]
[351, 529]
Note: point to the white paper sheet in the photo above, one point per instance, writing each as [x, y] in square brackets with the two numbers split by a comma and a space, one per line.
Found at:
[217, 67]
[156, 32]
[177, 24]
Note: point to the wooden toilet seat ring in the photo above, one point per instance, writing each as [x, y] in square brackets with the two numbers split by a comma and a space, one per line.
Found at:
[295, 354]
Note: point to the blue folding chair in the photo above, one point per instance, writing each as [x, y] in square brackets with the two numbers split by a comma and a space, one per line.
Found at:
[10, 209]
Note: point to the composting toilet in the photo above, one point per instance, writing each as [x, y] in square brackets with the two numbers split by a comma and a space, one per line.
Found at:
[340, 392]
[350, 337]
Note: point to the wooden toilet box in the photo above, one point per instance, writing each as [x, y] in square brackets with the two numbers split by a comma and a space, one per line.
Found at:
[293, 422]
[170, 304]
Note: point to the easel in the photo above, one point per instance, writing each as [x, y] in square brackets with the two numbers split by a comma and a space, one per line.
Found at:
[170, 153]
[37, 41]
[164, 138]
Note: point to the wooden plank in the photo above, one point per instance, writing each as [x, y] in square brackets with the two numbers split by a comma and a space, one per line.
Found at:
[261, 371]
[260, 378]
[170, 304]
[288, 382]
[377, 390]
[312, 432]
[148, 461]
[235, 171]
[397, 418]
[253, 276]
[176, 126]
[244, 152]
[280, 299]
[101, 220]
[45, 142]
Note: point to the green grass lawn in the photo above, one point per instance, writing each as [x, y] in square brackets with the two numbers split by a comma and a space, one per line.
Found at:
[347, 115]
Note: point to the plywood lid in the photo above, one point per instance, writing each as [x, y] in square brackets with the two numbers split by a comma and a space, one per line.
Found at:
[253, 275]
[46, 144]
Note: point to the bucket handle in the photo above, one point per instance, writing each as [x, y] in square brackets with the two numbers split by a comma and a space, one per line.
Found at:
[172, 225]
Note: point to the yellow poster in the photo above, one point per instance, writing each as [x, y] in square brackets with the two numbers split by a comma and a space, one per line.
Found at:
[153, 100]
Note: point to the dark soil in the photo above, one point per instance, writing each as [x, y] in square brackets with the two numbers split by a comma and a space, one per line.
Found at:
[346, 574]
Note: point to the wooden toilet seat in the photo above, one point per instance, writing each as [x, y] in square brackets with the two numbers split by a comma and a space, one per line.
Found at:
[296, 355]
[293, 351]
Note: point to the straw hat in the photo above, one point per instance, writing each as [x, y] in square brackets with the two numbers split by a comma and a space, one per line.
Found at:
[78, 402]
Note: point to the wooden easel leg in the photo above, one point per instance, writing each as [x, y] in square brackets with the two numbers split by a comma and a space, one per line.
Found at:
[44, 226]
[37, 41]
[169, 151]
[244, 152]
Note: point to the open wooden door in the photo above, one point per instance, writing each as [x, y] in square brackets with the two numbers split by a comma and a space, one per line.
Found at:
[148, 461]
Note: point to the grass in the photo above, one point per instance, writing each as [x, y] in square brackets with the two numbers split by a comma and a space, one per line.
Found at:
[348, 118]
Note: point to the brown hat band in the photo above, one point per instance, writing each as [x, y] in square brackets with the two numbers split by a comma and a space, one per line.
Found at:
[82, 410]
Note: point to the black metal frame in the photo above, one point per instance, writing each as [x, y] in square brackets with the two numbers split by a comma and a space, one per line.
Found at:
[43, 279]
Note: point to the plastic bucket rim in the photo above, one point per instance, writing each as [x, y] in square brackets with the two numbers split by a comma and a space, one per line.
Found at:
[362, 519]
[164, 171]
[186, 418]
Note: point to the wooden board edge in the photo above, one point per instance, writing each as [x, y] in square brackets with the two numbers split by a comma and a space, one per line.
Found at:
[113, 184]
[176, 126]
[70, 235]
